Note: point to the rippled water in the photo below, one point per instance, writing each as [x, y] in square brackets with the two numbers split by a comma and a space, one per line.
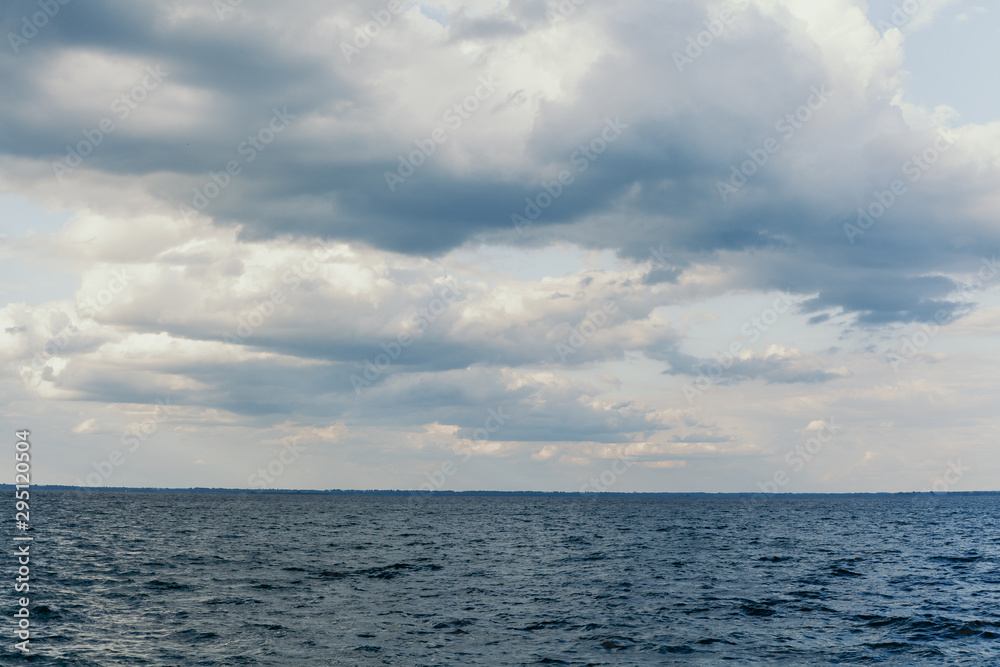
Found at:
[193, 579]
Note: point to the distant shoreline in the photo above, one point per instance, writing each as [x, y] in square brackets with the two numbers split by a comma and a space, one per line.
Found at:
[540, 494]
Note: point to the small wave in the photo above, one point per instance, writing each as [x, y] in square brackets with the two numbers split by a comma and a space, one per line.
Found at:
[235, 601]
[45, 612]
[329, 574]
[939, 627]
[958, 559]
[681, 649]
[545, 625]
[757, 608]
[387, 572]
[612, 642]
[166, 585]
[842, 572]
[194, 635]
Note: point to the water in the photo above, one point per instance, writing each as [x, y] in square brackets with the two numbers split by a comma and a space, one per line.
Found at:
[193, 579]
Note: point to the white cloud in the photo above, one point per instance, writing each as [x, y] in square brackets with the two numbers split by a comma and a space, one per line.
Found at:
[256, 340]
[86, 426]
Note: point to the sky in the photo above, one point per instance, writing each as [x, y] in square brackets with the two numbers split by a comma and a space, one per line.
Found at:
[516, 245]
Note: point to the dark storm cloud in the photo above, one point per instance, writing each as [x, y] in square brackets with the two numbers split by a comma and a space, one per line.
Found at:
[656, 183]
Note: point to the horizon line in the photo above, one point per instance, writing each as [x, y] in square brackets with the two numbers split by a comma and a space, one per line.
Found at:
[481, 492]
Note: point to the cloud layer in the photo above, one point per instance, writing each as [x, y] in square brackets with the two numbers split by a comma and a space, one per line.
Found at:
[368, 226]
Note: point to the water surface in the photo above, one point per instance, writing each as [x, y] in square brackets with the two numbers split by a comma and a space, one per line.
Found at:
[198, 579]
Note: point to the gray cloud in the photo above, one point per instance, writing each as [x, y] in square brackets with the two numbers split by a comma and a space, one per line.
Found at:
[659, 181]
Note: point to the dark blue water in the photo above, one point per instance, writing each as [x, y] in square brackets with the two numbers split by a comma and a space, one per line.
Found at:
[191, 579]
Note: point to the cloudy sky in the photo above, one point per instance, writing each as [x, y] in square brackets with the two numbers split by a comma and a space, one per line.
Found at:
[511, 244]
